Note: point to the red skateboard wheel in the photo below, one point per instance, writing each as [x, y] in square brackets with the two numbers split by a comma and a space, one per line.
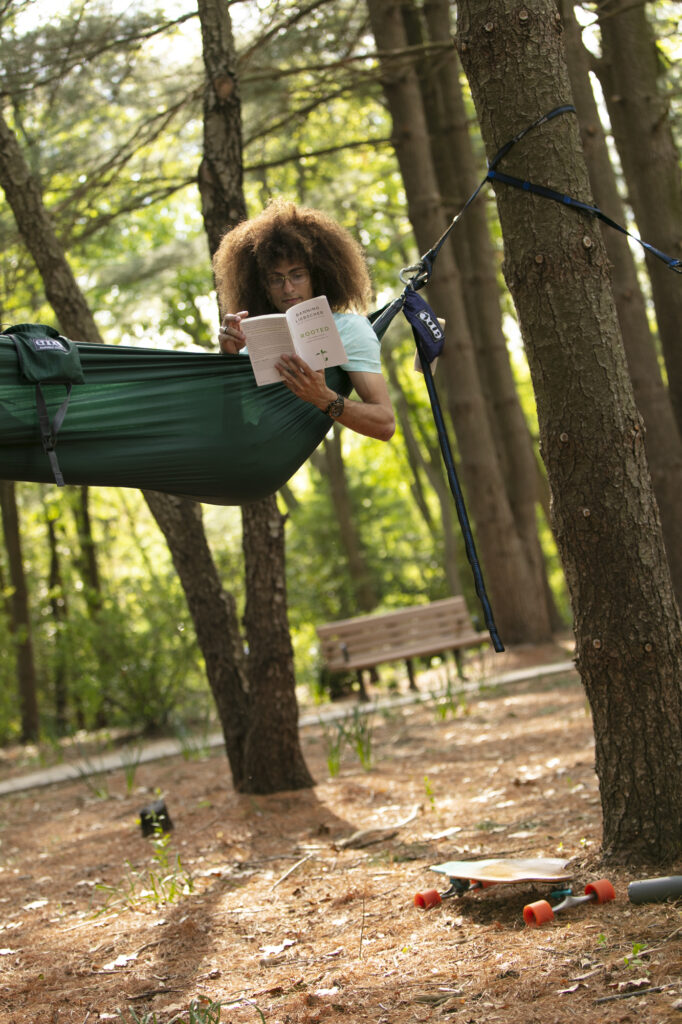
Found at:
[428, 899]
[538, 913]
[602, 890]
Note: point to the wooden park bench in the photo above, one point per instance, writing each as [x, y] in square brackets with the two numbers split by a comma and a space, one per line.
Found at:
[366, 641]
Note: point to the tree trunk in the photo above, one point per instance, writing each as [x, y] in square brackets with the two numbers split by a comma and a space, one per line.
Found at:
[58, 607]
[273, 759]
[642, 129]
[458, 175]
[518, 604]
[627, 624]
[663, 440]
[214, 615]
[20, 618]
[272, 754]
[364, 591]
[220, 643]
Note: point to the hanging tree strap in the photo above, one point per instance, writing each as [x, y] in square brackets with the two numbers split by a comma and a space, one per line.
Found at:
[429, 338]
[49, 430]
[419, 273]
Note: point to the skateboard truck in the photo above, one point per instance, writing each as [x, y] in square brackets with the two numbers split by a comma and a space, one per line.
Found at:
[542, 911]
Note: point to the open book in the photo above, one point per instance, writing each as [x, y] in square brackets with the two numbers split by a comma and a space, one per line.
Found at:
[307, 330]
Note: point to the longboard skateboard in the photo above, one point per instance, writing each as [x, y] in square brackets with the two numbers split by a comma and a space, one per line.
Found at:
[465, 875]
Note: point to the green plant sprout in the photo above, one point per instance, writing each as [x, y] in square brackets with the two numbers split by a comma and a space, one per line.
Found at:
[429, 792]
[334, 737]
[359, 736]
[130, 759]
[200, 1012]
[634, 960]
[165, 883]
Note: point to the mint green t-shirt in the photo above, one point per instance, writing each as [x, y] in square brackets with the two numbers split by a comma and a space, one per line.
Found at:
[362, 346]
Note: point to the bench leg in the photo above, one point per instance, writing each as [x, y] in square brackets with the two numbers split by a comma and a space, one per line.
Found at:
[460, 664]
[410, 673]
[363, 695]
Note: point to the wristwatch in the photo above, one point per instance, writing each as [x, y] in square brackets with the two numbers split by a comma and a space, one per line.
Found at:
[335, 407]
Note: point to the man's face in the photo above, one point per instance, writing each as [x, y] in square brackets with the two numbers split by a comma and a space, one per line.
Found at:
[287, 283]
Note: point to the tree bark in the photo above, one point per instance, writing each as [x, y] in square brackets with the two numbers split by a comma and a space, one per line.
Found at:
[518, 604]
[606, 521]
[663, 440]
[20, 617]
[642, 129]
[273, 759]
[214, 615]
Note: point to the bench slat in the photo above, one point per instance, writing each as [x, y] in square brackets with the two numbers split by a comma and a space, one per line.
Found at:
[369, 640]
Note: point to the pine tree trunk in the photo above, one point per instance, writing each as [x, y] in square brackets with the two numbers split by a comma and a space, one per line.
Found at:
[273, 759]
[20, 617]
[519, 606]
[642, 128]
[214, 615]
[663, 440]
[606, 521]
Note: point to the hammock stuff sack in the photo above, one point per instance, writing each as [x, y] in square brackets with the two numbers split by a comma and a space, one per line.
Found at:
[193, 424]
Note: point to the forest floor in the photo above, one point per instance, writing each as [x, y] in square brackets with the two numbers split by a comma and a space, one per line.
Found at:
[299, 907]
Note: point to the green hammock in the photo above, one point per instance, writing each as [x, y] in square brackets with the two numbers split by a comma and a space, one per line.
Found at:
[193, 424]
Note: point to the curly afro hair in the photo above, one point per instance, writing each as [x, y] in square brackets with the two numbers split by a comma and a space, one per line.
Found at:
[284, 231]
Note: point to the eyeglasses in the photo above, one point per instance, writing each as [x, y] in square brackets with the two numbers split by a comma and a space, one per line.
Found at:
[295, 277]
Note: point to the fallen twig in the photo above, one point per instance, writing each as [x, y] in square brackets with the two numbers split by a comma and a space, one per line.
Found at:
[634, 992]
[292, 869]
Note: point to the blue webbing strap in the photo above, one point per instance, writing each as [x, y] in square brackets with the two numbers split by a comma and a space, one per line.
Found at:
[429, 338]
[422, 270]
[594, 211]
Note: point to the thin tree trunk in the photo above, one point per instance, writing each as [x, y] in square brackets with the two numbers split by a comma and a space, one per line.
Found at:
[59, 609]
[518, 604]
[20, 617]
[364, 591]
[627, 624]
[642, 128]
[663, 440]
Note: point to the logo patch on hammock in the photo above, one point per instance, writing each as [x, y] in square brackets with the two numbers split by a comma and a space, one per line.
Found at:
[424, 324]
[48, 344]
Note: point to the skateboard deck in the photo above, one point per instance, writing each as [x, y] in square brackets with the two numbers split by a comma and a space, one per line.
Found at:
[507, 869]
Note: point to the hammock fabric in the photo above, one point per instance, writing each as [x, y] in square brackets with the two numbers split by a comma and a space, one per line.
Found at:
[178, 422]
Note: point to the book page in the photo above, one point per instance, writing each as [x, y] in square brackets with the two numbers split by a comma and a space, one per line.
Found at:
[315, 335]
[267, 338]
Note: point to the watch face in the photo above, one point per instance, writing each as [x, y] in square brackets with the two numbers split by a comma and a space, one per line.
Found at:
[335, 408]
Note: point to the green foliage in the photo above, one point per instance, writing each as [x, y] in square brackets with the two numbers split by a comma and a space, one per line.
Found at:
[199, 1011]
[165, 882]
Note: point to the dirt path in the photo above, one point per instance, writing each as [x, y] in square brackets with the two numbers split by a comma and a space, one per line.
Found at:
[272, 911]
